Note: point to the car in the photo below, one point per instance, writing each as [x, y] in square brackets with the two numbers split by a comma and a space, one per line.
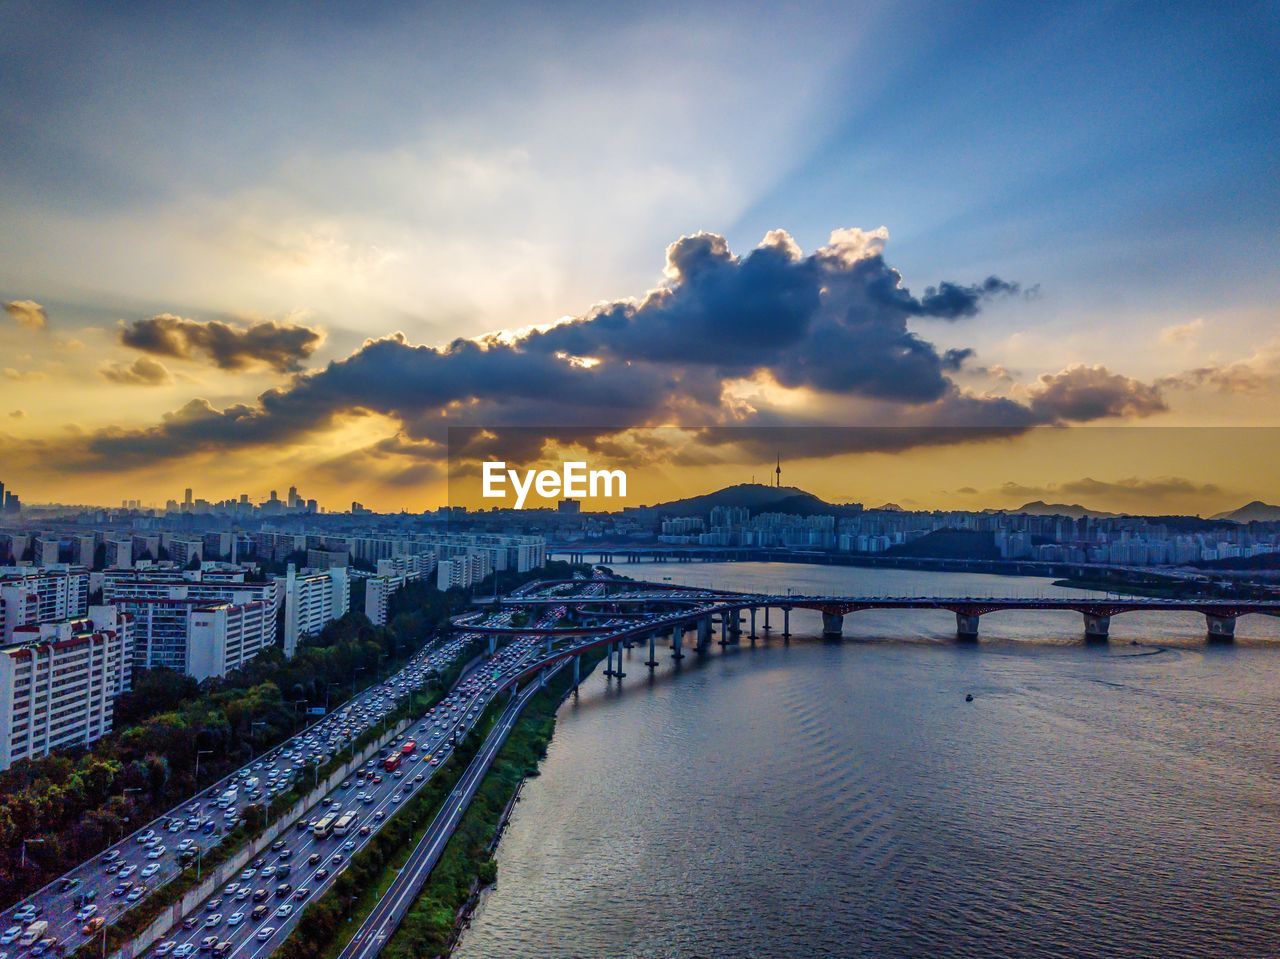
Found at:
[190, 923]
[45, 945]
[265, 933]
[284, 911]
[87, 913]
[283, 889]
[301, 894]
[231, 888]
[166, 947]
[184, 950]
[28, 912]
[277, 845]
[222, 949]
[213, 904]
[68, 884]
[111, 856]
[213, 920]
[243, 894]
[93, 925]
[322, 874]
[127, 870]
[259, 895]
[336, 858]
[155, 852]
[379, 815]
[286, 853]
[349, 845]
[207, 943]
[150, 870]
[235, 919]
[248, 874]
[10, 934]
[145, 837]
[119, 890]
[365, 830]
[258, 912]
[313, 859]
[136, 893]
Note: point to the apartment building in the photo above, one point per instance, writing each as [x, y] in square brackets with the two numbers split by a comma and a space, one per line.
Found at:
[59, 682]
[32, 596]
[312, 598]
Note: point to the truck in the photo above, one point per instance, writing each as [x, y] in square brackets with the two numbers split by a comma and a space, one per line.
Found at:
[391, 763]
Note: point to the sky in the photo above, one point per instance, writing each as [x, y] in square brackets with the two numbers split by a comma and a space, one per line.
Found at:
[244, 248]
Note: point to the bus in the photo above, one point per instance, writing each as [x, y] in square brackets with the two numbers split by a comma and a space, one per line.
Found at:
[408, 748]
[344, 824]
[324, 827]
[391, 763]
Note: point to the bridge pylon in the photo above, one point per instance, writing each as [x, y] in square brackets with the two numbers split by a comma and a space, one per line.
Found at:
[967, 626]
[832, 625]
[1097, 628]
[1222, 629]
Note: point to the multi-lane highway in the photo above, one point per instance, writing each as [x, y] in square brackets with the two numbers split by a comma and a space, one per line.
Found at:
[123, 875]
[254, 913]
[389, 912]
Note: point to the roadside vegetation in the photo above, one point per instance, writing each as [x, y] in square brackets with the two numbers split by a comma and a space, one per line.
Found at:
[78, 802]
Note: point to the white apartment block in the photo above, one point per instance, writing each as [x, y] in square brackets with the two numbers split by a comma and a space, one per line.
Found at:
[378, 591]
[119, 554]
[312, 598]
[463, 571]
[31, 596]
[59, 681]
[223, 636]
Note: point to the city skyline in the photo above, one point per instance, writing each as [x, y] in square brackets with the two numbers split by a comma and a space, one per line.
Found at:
[824, 243]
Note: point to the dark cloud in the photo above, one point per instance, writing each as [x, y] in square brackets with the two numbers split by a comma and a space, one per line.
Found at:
[143, 371]
[27, 313]
[833, 322]
[1085, 393]
[282, 347]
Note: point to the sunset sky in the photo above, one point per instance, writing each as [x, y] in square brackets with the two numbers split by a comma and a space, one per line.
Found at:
[242, 250]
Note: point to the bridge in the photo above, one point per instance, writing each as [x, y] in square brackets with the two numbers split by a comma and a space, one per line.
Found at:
[693, 605]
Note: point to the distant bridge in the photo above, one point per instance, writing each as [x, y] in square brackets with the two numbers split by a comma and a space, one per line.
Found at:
[690, 606]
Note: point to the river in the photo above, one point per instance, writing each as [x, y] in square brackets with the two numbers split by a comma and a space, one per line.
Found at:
[844, 799]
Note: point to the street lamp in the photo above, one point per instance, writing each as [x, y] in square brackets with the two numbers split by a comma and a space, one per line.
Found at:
[199, 753]
[24, 849]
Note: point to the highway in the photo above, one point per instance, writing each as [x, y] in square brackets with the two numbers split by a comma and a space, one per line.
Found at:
[122, 875]
[225, 925]
[395, 902]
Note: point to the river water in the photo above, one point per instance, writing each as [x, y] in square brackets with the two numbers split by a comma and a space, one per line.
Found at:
[843, 799]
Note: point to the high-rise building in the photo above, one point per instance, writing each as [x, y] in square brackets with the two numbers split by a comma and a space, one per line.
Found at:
[31, 596]
[311, 599]
[59, 682]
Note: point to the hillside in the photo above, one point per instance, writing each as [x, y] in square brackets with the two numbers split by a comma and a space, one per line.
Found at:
[1255, 512]
[757, 498]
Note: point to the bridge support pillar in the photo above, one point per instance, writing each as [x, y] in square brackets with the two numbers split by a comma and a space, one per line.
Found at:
[832, 625]
[767, 627]
[753, 625]
[493, 644]
[677, 643]
[1096, 628]
[1221, 628]
[653, 660]
[704, 633]
[786, 622]
[967, 625]
[577, 672]
[548, 652]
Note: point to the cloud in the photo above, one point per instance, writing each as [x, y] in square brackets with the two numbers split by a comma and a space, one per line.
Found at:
[1183, 334]
[282, 347]
[21, 376]
[811, 341]
[1254, 375]
[143, 371]
[27, 313]
[1085, 393]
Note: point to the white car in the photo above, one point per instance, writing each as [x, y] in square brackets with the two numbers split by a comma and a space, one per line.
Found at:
[265, 933]
[165, 947]
[235, 919]
[156, 852]
[150, 870]
[184, 950]
[284, 912]
[10, 934]
[88, 912]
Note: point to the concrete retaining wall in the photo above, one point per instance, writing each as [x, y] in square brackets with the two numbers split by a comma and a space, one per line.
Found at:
[172, 915]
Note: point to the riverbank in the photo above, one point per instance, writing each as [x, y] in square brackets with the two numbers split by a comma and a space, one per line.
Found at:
[443, 908]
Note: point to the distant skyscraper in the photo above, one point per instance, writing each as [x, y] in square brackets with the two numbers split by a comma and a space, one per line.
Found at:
[186, 498]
